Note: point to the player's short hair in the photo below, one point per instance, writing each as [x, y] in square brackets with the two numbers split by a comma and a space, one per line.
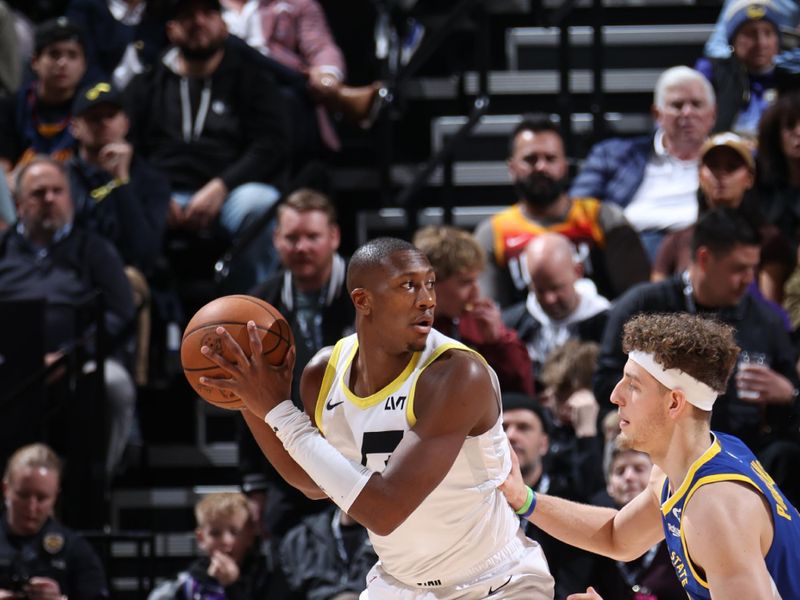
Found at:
[220, 504]
[533, 124]
[38, 456]
[306, 200]
[702, 347]
[722, 229]
[450, 250]
[570, 367]
[372, 255]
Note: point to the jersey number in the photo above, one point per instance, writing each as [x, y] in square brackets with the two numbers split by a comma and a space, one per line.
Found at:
[379, 442]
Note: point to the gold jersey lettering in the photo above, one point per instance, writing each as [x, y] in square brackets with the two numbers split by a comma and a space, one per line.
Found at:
[770, 483]
[680, 568]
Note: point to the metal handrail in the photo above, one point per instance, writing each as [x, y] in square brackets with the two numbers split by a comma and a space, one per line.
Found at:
[480, 106]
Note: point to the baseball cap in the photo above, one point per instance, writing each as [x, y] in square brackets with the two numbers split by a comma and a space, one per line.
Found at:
[56, 30]
[751, 10]
[92, 95]
[732, 141]
[518, 400]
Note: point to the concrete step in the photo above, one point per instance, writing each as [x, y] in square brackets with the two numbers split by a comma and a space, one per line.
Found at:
[627, 46]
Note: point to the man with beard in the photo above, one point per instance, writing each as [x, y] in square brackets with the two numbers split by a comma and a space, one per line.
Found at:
[309, 290]
[613, 255]
[654, 177]
[212, 118]
[730, 531]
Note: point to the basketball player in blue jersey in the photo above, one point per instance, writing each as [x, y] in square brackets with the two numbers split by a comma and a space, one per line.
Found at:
[730, 531]
[403, 430]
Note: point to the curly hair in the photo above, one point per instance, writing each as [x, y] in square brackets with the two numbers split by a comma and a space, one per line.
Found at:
[702, 347]
[570, 367]
[450, 250]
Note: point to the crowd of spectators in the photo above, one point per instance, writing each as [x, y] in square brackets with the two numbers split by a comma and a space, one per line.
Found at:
[126, 125]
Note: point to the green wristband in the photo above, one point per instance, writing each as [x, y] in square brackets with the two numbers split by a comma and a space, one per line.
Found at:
[530, 499]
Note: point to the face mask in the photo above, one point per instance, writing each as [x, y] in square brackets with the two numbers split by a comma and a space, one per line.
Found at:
[539, 189]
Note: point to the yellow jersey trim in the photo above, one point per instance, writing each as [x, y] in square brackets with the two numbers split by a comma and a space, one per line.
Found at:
[411, 417]
[712, 451]
[699, 483]
[381, 394]
[327, 383]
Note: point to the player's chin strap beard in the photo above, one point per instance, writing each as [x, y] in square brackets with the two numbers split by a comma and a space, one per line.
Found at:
[697, 393]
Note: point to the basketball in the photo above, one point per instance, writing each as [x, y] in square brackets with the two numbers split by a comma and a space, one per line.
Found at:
[232, 313]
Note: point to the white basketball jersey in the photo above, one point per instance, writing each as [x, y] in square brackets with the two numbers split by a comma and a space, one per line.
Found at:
[465, 519]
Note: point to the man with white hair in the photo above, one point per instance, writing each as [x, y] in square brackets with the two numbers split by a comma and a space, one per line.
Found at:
[654, 178]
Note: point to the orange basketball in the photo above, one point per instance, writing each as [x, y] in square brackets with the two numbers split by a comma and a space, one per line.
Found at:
[232, 313]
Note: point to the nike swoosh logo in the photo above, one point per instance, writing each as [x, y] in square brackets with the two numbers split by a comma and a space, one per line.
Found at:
[330, 406]
[492, 591]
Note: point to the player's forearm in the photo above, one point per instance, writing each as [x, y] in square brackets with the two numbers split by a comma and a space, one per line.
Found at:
[276, 454]
[588, 527]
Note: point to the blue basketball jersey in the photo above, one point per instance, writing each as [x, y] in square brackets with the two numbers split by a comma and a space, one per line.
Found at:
[728, 459]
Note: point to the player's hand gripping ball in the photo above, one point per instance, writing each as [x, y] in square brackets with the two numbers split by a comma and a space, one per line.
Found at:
[232, 313]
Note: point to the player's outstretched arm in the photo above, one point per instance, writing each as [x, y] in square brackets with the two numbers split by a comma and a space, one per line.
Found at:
[728, 531]
[622, 534]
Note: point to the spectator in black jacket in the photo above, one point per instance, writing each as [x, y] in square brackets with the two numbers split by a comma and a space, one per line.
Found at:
[650, 576]
[725, 255]
[116, 192]
[327, 557]
[45, 256]
[310, 292]
[211, 117]
[39, 557]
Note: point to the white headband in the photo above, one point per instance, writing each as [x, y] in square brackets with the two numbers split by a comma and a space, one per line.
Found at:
[697, 393]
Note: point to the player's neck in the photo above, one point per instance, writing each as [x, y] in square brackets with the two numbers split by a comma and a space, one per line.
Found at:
[374, 369]
[686, 445]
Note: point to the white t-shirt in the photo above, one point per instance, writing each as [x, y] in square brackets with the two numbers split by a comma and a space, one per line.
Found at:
[667, 196]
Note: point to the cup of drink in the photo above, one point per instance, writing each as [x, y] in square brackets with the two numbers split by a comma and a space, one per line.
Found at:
[746, 361]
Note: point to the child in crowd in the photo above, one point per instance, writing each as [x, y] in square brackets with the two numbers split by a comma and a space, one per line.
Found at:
[232, 567]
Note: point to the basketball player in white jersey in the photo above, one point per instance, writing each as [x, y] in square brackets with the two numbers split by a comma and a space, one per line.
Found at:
[408, 439]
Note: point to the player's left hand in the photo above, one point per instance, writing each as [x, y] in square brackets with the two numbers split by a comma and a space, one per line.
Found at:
[261, 386]
[42, 588]
[513, 487]
[590, 594]
[488, 320]
[771, 386]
